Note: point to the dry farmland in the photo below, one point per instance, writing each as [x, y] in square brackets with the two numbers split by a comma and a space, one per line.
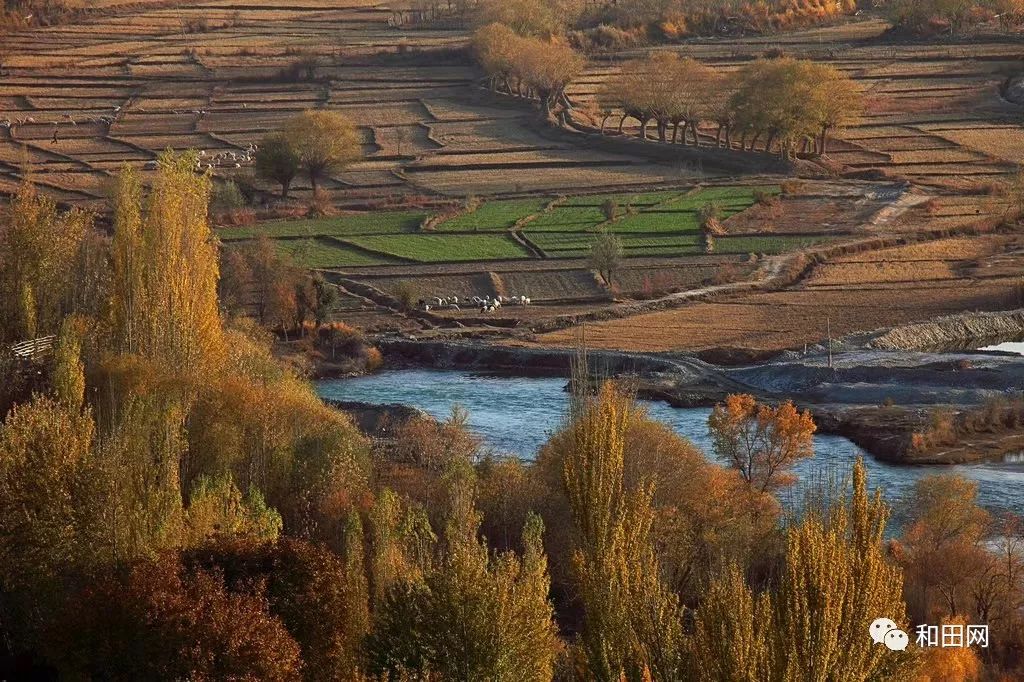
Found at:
[215, 77]
[84, 99]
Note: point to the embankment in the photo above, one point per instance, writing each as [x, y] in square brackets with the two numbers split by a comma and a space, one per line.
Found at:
[962, 331]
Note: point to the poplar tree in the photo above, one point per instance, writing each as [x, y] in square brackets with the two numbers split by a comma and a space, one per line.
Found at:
[68, 377]
[631, 622]
[164, 291]
[836, 581]
[38, 249]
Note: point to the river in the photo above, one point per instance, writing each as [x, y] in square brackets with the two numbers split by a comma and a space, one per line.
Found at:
[515, 415]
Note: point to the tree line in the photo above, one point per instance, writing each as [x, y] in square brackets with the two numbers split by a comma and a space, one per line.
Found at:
[788, 105]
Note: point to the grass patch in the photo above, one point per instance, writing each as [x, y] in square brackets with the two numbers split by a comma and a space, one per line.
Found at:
[435, 248]
[494, 215]
[378, 222]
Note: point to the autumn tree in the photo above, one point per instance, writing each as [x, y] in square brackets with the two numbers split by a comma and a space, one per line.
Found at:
[527, 66]
[631, 621]
[838, 579]
[731, 637]
[164, 291]
[943, 544]
[159, 621]
[760, 441]
[537, 18]
[67, 379]
[44, 523]
[316, 593]
[278, 160]
[470, 616]
[791, 101]
[323, 141]
[216, 508]
[39, 247]
[673, 92]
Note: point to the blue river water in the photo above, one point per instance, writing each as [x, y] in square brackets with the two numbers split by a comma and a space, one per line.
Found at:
[515, 416]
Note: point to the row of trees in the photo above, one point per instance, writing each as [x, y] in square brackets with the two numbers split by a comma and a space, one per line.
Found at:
[791, 103]
[527, 66]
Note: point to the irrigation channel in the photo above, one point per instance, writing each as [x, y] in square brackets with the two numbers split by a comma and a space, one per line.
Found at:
[516, 415]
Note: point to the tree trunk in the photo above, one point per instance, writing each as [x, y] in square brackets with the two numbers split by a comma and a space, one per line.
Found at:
[643, 129]
[728, 137]
[285, 186]
[622, 122]
[662, 131]
[770, 142]
[675, 132]
[604, 120]
[718, 136]
[312, 181]
[753, 142]
[823, 145]
[696, 135]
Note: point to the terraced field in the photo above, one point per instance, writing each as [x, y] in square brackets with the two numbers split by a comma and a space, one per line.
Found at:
[120, 88]
[934, 111]
[648, 224]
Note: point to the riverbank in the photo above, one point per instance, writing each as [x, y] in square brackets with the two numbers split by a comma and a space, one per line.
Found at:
[901, 407]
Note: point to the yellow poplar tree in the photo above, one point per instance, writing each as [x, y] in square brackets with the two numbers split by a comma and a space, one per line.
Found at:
[68, 379]
[164, 302]
[731, 636]
[38, 247]
[836, 581]
[631, 621]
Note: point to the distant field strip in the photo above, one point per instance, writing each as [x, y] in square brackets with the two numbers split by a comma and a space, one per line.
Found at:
[434, 248]
[659, 223]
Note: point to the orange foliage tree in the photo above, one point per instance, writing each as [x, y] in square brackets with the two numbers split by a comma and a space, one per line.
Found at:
[760, 441]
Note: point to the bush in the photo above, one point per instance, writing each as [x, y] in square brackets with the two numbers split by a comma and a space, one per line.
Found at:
[609, 209]
[405, 295]
[227, 197]
[789, 187]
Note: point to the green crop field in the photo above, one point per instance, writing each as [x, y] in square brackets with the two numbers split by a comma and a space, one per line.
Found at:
[378, 222]
[436, 248]
[324, 252]
[766, 244]
[566, 219]
[662, 223]
[494, 215]
[623, 200]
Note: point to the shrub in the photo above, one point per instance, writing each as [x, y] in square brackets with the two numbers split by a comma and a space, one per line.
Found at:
[227, 197]
[374, 359]
[610, 209]
[788, 187]
[405, 295]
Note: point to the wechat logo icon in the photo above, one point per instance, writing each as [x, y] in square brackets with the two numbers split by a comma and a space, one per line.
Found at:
[885, 631]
